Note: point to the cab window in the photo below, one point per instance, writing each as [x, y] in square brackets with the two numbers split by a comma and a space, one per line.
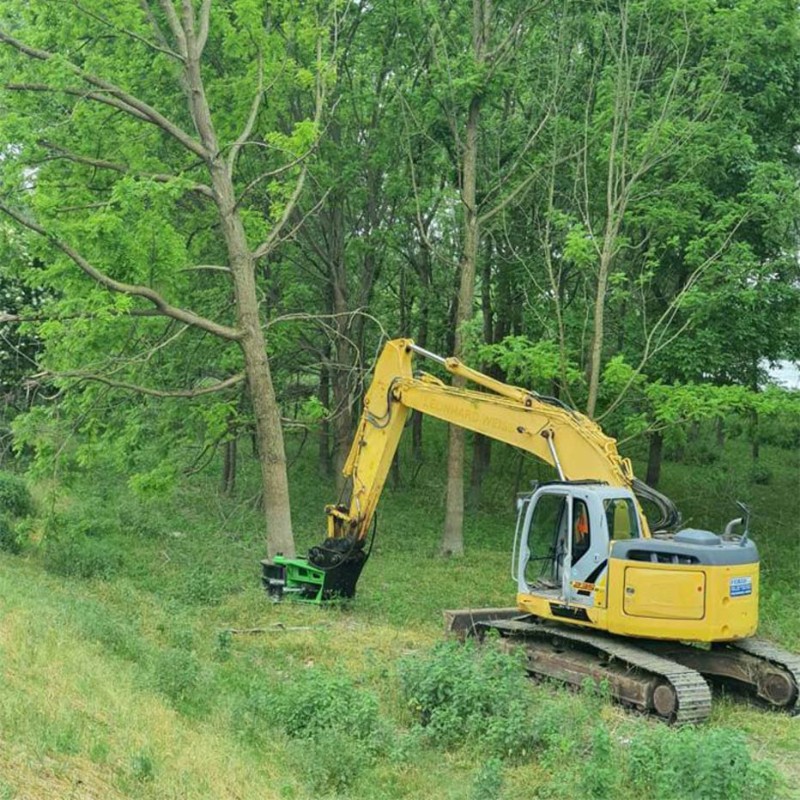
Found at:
[623, 522]
[546, 538]
[581, 534]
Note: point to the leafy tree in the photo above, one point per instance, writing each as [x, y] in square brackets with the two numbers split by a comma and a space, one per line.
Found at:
[139, 133]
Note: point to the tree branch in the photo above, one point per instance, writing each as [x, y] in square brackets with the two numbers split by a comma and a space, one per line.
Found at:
[145, 292]
[252, 116]
[205, 267]
[115, 167]
[84, 94]
[132, 387]
[205, 18]
[150, 113]
[175, 26]
[133, 312]
[139, 38]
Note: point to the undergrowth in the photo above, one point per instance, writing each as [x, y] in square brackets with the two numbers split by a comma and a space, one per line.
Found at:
[145, 600]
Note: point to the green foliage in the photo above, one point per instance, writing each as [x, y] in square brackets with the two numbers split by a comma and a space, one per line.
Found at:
[78, 546]
[9, 539]
[331, 764]
[117, 636]
[15, 497]
[142, 767]
[532, 364]
[698, 764]
[488, 781]
[760, 475]
[177, 675]
[462, 694]
[318, 702]
[203, 585]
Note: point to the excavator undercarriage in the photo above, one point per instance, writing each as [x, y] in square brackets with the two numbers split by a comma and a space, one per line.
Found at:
[669, 680]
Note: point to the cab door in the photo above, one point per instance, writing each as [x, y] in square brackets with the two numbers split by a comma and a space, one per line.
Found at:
[544, 548]
[564, 545]
[588, 549]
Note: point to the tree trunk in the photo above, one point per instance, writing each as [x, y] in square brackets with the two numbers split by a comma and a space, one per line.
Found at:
[229, 467]
[654, 459]
[481, 458]
[324, 450]
[453, 539]
[268, 430]
[482, 445]
[426, 278]
[598, 332]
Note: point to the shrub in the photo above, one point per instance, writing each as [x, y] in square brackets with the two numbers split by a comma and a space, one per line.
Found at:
[760, 475]
[488, 781]
[336, 726]
[203, 585]
[331, 764]
[314, 704]
[698, 764]
[82, 557]
[15, 499]
[9, 540]
[176, 674]
[462, 693]
[117, 636]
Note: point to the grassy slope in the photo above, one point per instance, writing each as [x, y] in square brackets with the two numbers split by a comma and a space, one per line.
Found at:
[124, 687]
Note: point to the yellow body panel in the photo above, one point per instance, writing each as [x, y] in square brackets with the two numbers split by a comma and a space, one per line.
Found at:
[668, 604]
[664, 593]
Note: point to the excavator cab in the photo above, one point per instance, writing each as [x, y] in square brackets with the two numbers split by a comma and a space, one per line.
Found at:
[564, 532]
[580, 555]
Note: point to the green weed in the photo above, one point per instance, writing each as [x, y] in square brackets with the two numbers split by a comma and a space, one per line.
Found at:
[15, 497]
[82, 557]
[461, 694]
[488, 781]
[698, 764]
[179, 676]
[9, 539]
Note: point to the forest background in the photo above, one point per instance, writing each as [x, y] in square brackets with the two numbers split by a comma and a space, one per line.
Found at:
[214, 214]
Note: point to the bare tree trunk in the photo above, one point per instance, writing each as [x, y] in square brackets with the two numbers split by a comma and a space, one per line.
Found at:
[453, 539]
[654, 458]
[323, 394]
[482, 445]
[426, 280]
[229, 467]
[598, 332]
[269, 433]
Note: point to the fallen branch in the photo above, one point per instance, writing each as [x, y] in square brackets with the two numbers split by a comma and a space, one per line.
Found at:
[278, 626]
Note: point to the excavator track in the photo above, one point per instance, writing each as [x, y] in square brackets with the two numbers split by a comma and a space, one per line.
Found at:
[788, 663]
[637, 677]
[760, 670]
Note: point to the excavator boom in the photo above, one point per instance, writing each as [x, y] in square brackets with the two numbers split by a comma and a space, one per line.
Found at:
[562, 437]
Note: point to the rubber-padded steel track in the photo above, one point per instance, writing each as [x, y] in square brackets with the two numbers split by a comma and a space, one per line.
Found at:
[761, 648]
[692, 692]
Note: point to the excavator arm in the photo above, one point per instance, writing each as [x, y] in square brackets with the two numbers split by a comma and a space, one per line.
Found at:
[562, 437]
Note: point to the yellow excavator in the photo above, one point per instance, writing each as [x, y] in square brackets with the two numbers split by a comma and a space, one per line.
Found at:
[657, 614]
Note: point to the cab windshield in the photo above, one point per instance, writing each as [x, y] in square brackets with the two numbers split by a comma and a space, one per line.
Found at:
[623, 522]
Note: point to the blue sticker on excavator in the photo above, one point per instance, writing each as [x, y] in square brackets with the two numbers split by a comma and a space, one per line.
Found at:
[741, 586]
